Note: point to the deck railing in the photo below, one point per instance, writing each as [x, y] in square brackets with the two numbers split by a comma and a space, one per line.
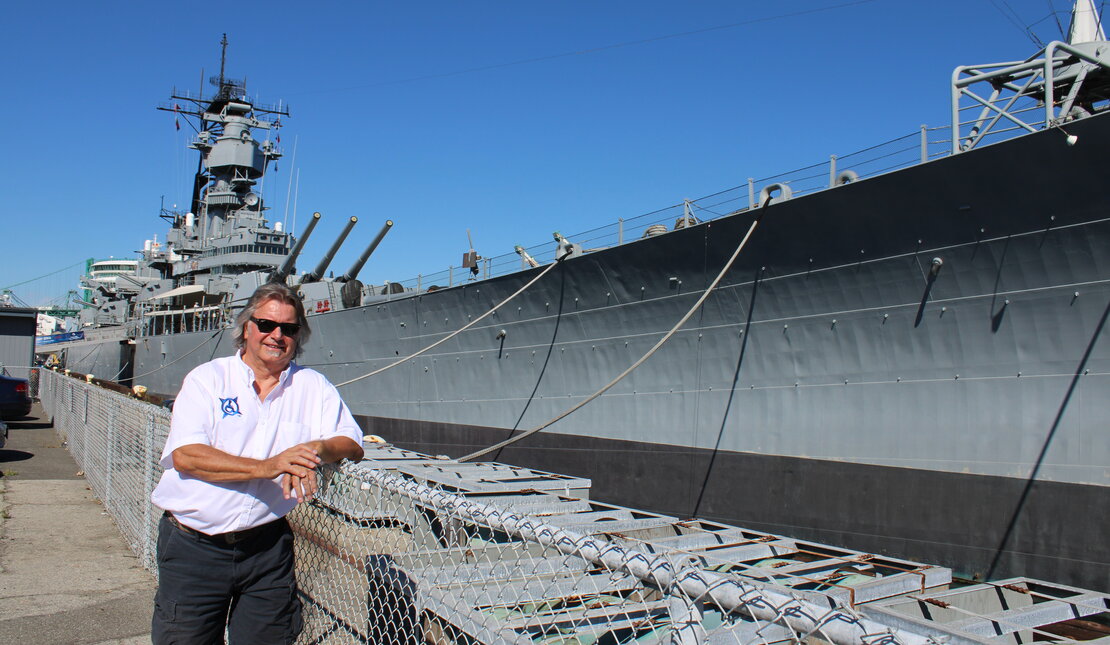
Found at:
[920, 146]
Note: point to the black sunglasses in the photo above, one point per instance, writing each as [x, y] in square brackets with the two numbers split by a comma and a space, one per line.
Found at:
[268, 326]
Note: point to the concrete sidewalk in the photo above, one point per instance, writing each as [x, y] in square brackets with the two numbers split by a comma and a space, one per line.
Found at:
[67, 576]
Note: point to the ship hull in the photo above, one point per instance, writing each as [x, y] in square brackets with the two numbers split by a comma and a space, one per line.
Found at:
[842, 384]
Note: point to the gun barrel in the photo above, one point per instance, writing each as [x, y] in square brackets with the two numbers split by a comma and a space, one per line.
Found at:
[318, 272]
[287, 267]
[352, 273]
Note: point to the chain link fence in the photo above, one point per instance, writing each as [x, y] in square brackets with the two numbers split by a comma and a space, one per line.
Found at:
[407, 549]
[117, 441]
[393, 560]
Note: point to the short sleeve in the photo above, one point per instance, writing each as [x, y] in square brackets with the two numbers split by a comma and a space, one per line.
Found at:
[192, 420]
[339, 421]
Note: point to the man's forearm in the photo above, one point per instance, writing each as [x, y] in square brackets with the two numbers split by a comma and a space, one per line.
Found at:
[333, 449]
[214, 465]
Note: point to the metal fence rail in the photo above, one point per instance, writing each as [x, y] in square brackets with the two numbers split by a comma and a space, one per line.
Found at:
[407, 549]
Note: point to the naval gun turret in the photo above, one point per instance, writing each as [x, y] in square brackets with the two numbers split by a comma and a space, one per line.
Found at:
[318, 272]
[352, 273]
[287, 267]
[351, 293]
[322, 295]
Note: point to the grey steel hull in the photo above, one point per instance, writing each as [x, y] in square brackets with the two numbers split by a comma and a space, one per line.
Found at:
[828, 389]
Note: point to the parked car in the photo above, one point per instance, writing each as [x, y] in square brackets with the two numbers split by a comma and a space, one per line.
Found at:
[15, 398]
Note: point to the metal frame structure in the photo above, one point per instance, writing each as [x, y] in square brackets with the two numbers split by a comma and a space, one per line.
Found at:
[1018, 90]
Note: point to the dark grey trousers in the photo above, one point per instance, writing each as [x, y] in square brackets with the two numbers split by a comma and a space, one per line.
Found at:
[206, 585]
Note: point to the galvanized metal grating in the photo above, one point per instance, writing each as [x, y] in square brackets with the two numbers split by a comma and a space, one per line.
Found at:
[1013, 611]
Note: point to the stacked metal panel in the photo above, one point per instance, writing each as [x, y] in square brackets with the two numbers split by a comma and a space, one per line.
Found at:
[1006, 612]
[433, 576]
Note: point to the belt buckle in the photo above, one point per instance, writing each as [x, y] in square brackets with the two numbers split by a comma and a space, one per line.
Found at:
[177, 523]
[234, 537]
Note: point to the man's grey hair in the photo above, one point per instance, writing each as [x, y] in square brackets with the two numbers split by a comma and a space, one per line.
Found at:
[272, 291]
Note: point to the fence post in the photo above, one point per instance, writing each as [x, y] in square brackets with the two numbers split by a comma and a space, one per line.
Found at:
[71, 414]
[60, 405]
[64, 396]
[148, 488]
[109, 460]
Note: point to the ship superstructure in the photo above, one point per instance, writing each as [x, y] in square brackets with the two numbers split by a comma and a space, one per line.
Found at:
[105, 274]
[229, 233]
[224, 239]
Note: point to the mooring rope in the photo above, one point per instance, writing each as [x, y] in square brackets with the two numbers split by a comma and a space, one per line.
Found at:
[631, 368]
[121, 370]
[461, 329]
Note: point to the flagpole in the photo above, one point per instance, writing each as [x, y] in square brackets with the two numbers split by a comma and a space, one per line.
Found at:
[295, 198]
[292, 166]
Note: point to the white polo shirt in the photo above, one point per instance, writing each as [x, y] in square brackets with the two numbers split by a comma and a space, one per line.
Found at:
[217, 406]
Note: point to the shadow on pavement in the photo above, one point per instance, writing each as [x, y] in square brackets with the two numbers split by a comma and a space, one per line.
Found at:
[7, 456]
[31, 423]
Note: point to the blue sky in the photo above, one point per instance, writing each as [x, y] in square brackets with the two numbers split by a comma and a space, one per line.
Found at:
[511, 119]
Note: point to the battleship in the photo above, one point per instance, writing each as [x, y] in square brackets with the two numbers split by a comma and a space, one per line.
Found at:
[901, 360]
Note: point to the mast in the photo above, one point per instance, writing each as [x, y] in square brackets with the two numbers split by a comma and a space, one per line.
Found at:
[228, 233]
[1086, 25]
[223, 57]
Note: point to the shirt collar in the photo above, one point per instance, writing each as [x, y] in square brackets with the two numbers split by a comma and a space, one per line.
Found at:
[247, 373]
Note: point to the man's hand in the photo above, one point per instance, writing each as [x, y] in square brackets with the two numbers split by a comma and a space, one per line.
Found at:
[298, 461]
[302, 488]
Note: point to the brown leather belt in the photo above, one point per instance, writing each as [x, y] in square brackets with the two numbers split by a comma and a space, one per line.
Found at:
[231, 537]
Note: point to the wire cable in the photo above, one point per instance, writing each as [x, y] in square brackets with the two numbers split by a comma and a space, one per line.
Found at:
[1056, 17]
[20, 284]
[1011, 15]
[202, 344]
[461, 329]
[697, 305]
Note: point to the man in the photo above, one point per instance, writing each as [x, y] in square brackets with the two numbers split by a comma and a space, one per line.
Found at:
[247, 434]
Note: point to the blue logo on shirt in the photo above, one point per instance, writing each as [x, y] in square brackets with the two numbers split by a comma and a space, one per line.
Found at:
[230, 407]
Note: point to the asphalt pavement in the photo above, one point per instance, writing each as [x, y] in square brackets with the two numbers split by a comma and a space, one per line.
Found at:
[67, 576]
